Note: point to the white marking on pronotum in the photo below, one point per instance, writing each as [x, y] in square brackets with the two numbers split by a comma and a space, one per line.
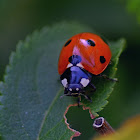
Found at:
[84, 82]
[80, 65]
[69, 65]
[64, 82]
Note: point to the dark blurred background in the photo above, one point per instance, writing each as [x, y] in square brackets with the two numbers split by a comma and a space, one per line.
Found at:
[112, 19]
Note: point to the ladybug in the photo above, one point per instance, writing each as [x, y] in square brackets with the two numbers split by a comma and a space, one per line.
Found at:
[81, 57]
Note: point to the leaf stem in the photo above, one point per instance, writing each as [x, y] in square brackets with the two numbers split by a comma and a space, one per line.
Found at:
[102, 126]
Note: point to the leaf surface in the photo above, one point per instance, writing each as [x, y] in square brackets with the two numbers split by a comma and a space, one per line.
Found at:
[31, 105]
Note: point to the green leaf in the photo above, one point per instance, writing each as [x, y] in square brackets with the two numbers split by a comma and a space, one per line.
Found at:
[31, 89]
[31, 105]
[129, 131]
[133, 7]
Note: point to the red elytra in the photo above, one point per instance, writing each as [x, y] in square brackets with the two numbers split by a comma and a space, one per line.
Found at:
[95, 53]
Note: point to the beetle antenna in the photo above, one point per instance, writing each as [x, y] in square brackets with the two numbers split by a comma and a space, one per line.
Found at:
[68, 94]
[87, 97]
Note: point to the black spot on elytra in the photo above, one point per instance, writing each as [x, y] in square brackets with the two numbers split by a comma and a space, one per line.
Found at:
[91, 43]
[75, 59]
[102, 59]
[67, 43]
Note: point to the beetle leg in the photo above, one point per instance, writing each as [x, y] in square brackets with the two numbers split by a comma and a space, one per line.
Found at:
[92, 86]
[79, 100]
[66, 93]
[106, 77]
[110, 62]
[86, 97]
